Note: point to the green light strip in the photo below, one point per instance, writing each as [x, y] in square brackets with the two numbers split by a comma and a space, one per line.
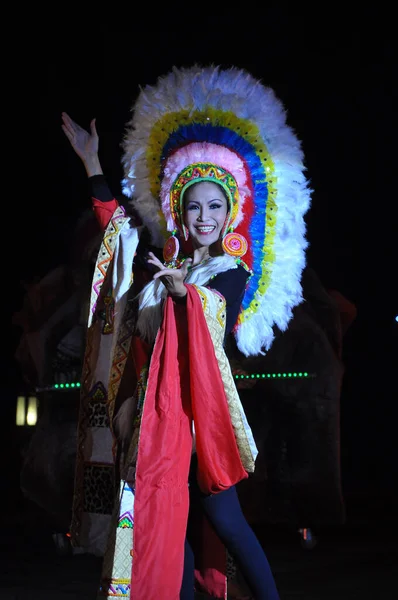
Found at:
[65, 385]
[281, 375]
[59, 386]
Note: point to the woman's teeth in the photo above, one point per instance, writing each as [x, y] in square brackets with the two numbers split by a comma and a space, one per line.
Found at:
[205, 229]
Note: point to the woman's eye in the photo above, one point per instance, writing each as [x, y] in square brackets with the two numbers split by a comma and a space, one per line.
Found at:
[193, 207]
[213, 206]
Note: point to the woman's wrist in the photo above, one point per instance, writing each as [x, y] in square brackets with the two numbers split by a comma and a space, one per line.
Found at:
[180, 294]
[92, 165]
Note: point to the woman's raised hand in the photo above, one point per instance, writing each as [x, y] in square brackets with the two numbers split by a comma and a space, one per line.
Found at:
[84, 143]
[173, 279]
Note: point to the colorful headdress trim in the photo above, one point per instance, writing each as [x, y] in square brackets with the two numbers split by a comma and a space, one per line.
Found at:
[214, 128]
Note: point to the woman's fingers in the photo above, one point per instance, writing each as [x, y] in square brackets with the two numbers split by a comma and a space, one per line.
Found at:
[185, 267]
[155, 261]
[163, 273]
[66, 131]
[70, 135]
[93, 128]
[68, 123]
[72, 126]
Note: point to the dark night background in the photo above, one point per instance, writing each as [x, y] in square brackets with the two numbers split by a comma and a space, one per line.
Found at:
[335, 71]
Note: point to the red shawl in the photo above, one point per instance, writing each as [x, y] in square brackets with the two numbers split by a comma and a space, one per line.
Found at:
[184, 380]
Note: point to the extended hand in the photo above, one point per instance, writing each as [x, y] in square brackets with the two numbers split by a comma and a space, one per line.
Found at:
[84, 143]
[173, 279]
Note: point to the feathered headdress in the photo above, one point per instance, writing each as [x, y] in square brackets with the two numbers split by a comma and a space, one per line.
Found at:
[225, 126]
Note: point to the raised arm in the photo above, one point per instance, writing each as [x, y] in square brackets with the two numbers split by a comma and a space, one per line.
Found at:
[86, 144]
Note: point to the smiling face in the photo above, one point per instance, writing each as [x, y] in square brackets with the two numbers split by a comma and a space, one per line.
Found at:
[205, 211]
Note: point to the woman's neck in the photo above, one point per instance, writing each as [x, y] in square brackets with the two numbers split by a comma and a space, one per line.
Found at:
[199, 255]
[204, 252]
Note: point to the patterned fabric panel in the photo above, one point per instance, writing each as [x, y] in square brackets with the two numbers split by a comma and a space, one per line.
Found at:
[118, 558]
[214, 311]
[96, 406]
[99, 488]
[97, 415]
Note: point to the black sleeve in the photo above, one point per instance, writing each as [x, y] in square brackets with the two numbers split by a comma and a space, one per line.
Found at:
[99, 189]
[231, 284]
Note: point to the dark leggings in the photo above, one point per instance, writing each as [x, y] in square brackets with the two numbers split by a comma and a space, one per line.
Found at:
[225, 515]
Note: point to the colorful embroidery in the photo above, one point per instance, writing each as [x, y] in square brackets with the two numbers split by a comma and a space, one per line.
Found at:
[105, 255]
[115, 588]
[126, 521]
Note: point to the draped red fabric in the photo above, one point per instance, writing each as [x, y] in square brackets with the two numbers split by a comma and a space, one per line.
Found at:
[140, 353]
[184, 378]
[104, 211]
[219, 463]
